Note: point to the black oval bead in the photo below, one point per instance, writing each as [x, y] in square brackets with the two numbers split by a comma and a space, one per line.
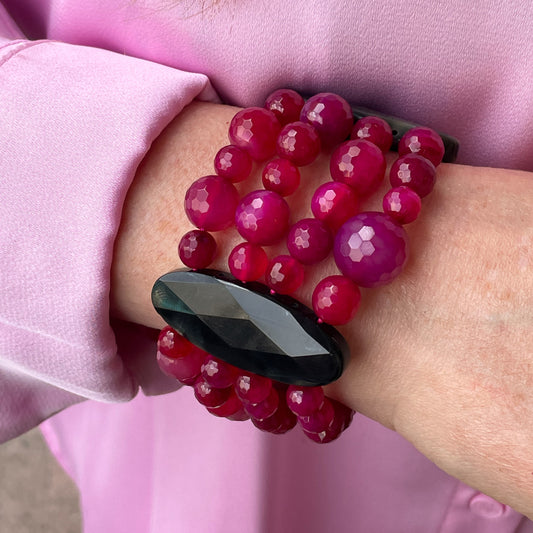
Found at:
[245, 325]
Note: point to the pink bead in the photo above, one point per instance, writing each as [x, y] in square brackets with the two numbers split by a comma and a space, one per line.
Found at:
[197, 249]
[303, 401]
[341, 420]
[173, 345]
[286, 104]
[210, 203]
[210, 396]
[255, 129]
[422, 141]
[402, 204]
[375, 130]
[343, 414]
[309, 241]
[240, 416]
[229, 408]
[334, 203]
[247, 261]
[262, 217]
[298, 142]
[415, 172]
[233, 163]
[218, 373]
[185, 369]
[336, 300]
[265, 408]
[281, 176]
[280, 422]
[359, 164]
[320, 419]
[331, 116]
[251, 388]
[284, 274]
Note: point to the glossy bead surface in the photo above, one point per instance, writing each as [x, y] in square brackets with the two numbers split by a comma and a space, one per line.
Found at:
[247, 261]
[375, 130]
[229, 408]
[402, 204]
[173, 345]
[255, 130]
[281, 176]
[422, 141]
[309, 241]
[298, 142]
[303, 401]
[262, 217]
[336, 300]
[185, 369]
[284, 274]
[265, 408]
[233, 163]
[280, 422]
[286, 105]
[252, 388]
[334, 203]
[197, 249]
[208, 395]
[360, 165]
[210, 203]
[218, 373]
[415, 172]
[371, 249]
[320, 419]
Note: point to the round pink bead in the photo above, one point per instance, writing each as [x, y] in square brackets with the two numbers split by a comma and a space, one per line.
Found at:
[281, 176]
[303, 401]
[422, 141]
[255, 129]
[173, 345]
[320, 419]
[262, 217]
[252, 388]
[280, 422]
[330, 115]
[309, 241]
[233, 163]
[402, 204]
[415, 172]
[286, 104]
[336, 300]
[197, 249]
[359, 164]
[218, 373]
[247, 261]
[265, 408]
[298, 142]
[371, 249]
[210, 203]
[230, 408]
[375, 130]
[210, 396]
[185, 369]
[284, 274]
[341, 420]
[334, 203]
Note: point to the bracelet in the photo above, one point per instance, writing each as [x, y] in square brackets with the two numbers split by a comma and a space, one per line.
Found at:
[249, 349]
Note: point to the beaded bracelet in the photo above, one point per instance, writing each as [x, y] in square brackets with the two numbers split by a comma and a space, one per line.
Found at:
[249, 349]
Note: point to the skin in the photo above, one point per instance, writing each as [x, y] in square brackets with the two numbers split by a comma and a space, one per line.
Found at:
[443, 355]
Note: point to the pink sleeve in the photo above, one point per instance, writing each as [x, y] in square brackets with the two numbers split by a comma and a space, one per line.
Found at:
[76, 122]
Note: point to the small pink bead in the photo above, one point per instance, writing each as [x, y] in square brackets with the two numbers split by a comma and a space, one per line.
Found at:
[422, 141]
[210, 396]
[284, 274]
[233, 163]
[255, 129]
[359, 164]
[336, 300]
[304, 401]
[334, 203]
[173, 345]
[286, 104]
[197, 249]
[343, 414]
[247, 261]
[341, 420]
[402, 204]
[330, 115]
[265, 408]
[309, 241]
[320, 419]
[210, 203]
[298, 142]
[280, 422]
[262, 217]
[415, 172]
[252, 388]
[281, 176]
[185, 369]
[375, 130]
[229, 408]
[218, 373]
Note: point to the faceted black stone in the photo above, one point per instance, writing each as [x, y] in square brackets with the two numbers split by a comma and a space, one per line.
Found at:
[246, 326]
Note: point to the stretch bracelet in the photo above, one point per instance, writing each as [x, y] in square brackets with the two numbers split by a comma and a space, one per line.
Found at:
[246, 345]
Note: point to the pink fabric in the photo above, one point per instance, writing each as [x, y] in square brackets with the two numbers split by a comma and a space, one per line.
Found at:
[80, 107]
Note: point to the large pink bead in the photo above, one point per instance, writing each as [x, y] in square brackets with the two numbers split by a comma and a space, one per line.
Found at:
[402, 204]
[320, 419]
[233, 163]
[415, 172]
[371, 249]
[173, 345]
[252, 388]
[422, 141]
[210, 203]
[359, 164]
[303, 401]
[286, 104]
[375, 130]
[255, 129]
[284, 274]
[336, 300]
[210, 396]
[185, 369]
[197, 249]
[281, 176]
[298, 142]
[309, 241]
[218, 373]
[265, 408]
[334, 203]
[330, 115]
[262, 217]
[247, 261]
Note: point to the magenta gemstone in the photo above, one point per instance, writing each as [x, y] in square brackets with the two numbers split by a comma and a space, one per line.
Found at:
[230, 408]
[309, 241]
[210, 396]
[185, 369]
[334, 203]
[298, 142]
[422, 141]
[336, 300]
[320, 419]
[371, 249]
[303, 401]
[252, 388]
[233, 163]
[247, 261]
[172, 344]
[218, 373]
[265, 408]
[415, 172]
[281, 176]
[197, 249]
[286, 104]
[402, 204]
[284, 274]
[373, 129]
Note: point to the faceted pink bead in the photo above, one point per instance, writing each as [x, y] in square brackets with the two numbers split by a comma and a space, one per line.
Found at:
[286, 104]
[415, 172]
[331, 116]
[320, 419]
[233, 163]
[280, 422]
[303, 401]
[229, 408]
[284, 274]
[334, 203]
[373, 129]
[281, 176]
[341, 420]
[262, 217]
[359, 164]
[208, 395]
[197, 249]
[255, 129]
[371, 249]
[185, 369]
[343, 414]
[402, 204]
[247, 261]
[218, 373]
[173, 345]
[336, 300]
[422, 141]
[252, 388]
[210, 203]
[309, 241]
[298, 142]
[264, 409]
